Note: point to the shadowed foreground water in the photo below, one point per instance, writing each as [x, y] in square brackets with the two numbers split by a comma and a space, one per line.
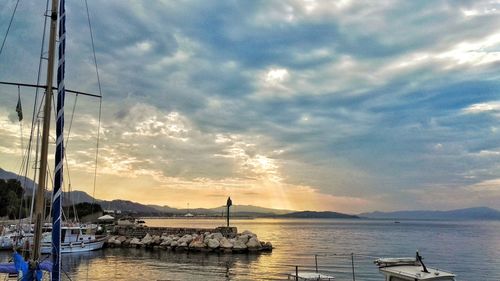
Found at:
[469, 249]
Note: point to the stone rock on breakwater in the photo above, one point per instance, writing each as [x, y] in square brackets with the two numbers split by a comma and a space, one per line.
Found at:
[205, 242]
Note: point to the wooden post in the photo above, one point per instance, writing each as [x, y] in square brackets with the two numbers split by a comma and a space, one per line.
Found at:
[296, 273]
[316, 262]
[352, 264]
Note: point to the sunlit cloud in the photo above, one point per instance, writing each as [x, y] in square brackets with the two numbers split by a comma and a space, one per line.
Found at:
[488, 153]
[488, 186]
[275, 76]
[482, 8]
[476, 53]
[488, 107]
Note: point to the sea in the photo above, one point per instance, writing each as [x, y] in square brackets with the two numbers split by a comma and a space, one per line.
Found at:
[470, 249]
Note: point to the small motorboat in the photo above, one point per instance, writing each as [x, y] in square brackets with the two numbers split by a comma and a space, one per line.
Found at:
[411, 269]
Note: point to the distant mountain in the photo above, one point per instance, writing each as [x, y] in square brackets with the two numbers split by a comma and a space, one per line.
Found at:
[318, 215]
[28, 184]
[166, 209]
[478, 213]
[76, 197]
[241, 210]
[128, 206]
[251, 209]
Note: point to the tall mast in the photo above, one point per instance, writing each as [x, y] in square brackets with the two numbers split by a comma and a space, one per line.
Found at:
[40, 194]
[58, 171]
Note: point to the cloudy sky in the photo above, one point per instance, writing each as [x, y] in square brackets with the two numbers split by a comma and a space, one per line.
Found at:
[324, 105]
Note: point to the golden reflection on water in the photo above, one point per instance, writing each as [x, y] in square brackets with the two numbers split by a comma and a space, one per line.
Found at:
[122, 264]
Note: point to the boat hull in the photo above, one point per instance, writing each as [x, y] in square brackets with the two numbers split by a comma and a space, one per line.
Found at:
[8, 242]
[76, 247]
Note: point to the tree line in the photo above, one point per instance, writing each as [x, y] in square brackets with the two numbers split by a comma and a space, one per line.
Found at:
[11, 194]
[13, 206]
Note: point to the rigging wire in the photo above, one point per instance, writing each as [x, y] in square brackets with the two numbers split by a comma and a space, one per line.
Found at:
[35, 168]
[100, 104]
[36, 113]
[8, 28]
[66, 144]
[35, 119]
[66, 140]
[99, 117]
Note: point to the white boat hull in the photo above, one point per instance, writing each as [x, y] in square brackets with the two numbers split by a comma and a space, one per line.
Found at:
[8, 242]
[76, 247]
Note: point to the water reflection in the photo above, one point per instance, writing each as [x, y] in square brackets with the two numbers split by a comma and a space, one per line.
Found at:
[142, 264]
[470, 249]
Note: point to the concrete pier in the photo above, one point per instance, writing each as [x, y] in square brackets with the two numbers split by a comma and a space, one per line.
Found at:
[141, 231]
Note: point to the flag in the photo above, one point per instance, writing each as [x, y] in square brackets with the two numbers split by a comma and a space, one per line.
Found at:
[19, 109]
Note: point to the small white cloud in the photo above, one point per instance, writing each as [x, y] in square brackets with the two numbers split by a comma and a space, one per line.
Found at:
[482, 107]
[310, 5]
[221, 138]
[482, 9]
[470, 13]
[414, 59]
[277, 75]
[144, 46]
[488, 153]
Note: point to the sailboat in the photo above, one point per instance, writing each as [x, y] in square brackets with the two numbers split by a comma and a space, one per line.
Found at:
[33, 268]
[14, 236]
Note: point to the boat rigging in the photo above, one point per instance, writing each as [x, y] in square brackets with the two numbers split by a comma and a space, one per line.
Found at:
[32, 270]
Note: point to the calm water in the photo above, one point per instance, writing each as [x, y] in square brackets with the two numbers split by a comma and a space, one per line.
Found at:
[470, 249]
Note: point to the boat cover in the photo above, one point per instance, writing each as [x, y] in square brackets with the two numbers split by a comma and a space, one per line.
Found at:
[21, 265]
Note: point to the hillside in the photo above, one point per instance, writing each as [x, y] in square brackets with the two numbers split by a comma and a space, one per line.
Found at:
[251, 209]
[76, 197]
[319, 215]
[478, 213]
[28, 184]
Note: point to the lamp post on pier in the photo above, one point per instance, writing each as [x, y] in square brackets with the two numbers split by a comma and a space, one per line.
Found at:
[229, 203]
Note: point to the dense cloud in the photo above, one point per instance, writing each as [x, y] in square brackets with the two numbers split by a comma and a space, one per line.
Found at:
[362, 104]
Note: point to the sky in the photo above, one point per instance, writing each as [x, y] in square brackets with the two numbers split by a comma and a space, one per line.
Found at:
[346, 106]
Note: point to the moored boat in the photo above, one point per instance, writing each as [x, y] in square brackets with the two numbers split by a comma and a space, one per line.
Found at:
[393, 269]
[75, 239]
[14, 238]
[411, 269]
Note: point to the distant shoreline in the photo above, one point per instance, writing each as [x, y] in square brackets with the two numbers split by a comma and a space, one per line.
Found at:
[200, 218]
[394, 220]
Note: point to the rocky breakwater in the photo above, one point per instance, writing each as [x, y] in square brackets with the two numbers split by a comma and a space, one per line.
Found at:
[206, 242]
